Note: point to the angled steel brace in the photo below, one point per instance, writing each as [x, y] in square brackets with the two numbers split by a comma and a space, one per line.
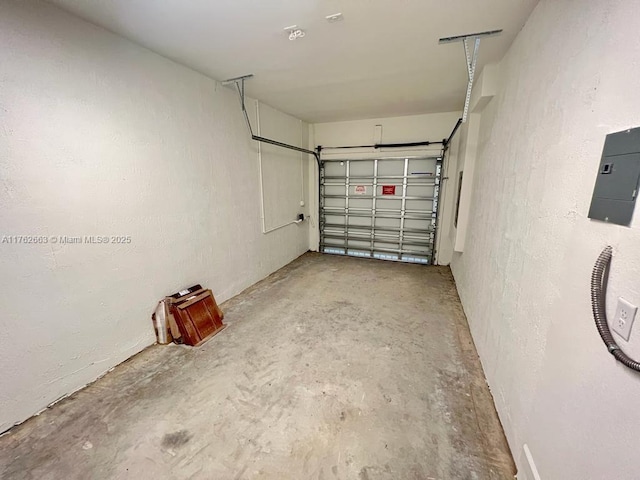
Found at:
[471, 70]
[471, 59]
[239, 83]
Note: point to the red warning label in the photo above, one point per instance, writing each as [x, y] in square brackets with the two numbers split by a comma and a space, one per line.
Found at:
[388, 189]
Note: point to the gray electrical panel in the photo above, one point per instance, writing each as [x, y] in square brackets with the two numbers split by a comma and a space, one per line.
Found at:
[616, 190]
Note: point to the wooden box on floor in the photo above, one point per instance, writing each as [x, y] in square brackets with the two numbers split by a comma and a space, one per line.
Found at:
[197, 315]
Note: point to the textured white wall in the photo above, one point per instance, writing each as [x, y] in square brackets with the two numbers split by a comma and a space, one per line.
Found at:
[485, 87]
[284, 172]
[101, 137]
[467, 137]
[571, 77]
[412, 128]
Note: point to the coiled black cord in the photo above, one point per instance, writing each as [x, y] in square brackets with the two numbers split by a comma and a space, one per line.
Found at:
[599, 277]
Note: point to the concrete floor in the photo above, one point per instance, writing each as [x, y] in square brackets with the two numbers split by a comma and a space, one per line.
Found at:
[331, 368]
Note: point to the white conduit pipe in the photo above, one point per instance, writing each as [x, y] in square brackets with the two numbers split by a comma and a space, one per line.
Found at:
[262, 215]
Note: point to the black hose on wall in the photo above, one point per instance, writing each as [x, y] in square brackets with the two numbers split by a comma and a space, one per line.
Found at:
[599, 277]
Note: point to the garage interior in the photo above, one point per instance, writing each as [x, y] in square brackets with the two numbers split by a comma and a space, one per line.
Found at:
[416, 217]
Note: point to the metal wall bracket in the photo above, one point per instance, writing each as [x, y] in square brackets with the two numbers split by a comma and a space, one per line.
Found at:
[239, 84]
[471, 59]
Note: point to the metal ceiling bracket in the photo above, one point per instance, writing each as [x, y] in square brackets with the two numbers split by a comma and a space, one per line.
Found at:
[239, 84]
[471, 69]
[471, 59]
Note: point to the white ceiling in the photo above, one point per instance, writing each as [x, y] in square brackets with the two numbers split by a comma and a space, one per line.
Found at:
[382, 60]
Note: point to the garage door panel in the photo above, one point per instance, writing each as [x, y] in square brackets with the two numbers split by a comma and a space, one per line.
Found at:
[387, 246]
[389, 204]
[361, 168]
[422, 206]
[380, 208]
[391, 166]
[360, 221]
[360, 203]
[420, 190]
[422, 165]
[418, 223]
[364, 245]
[334, 189]
[334, 223]
[388, 223]
[420, 179]
[335, 168]
[335, 205]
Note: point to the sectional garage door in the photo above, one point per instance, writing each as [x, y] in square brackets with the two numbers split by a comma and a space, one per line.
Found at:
[382, 208]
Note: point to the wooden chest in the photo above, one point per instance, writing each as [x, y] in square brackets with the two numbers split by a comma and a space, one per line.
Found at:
[197, 316]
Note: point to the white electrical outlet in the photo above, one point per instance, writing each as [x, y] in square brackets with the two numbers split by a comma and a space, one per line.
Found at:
[623, 320]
